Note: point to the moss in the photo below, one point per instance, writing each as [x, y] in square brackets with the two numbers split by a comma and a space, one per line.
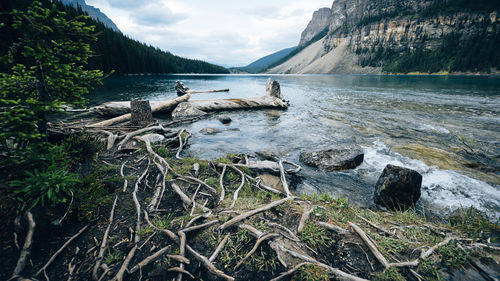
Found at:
[311, 273]
[391, 274]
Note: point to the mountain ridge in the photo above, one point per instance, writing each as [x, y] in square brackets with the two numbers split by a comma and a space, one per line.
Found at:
[264, 62]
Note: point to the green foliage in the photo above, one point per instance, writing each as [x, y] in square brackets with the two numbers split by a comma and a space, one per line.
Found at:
[311, 272]
[52, 186]
[163, 222]
[390, 274]
[390, 245]
[82, 147]
[452, 256]
[315, 236]
[95, 191]
[428, 269]
[47, 71]
[472, 222]
[112, 257]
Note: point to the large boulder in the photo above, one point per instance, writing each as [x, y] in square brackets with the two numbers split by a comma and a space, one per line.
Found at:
[398, 188]
[186, 110]
[334, 159]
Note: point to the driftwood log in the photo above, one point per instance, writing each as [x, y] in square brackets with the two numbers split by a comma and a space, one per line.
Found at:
[272, 99]
[184, 90]
[117, 108]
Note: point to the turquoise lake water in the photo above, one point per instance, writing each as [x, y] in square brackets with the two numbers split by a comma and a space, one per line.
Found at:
[419, 122]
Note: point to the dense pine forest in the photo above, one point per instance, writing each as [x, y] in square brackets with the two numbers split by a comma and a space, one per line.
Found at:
[113, 51]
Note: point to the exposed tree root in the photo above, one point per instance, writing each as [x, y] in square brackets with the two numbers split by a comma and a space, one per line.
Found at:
[378, 227]
[235, 195]
[257, 244]
[104, 242]
[221, 181]
[25, 252]
[219, 248]
[305, 216]
[243, 216]
[283, 180]
[337, 229]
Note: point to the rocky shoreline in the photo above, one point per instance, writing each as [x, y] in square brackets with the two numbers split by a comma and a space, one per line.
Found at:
[164, 217]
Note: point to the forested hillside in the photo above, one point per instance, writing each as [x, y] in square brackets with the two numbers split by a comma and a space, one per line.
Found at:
[113, 51]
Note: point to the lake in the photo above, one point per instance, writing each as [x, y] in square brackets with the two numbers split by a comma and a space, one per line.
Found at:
[445, 127]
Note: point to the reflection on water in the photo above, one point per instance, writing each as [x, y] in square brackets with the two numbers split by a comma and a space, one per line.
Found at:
[413, 121]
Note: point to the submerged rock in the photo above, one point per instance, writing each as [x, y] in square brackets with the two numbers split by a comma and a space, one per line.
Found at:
[398, 188]
[334, 159]
[210, 131]
[186, 110]
[224, 119]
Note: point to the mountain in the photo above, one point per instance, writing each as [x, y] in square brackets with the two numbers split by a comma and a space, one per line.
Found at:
[263, 63]
[92, 11]
[399, 36]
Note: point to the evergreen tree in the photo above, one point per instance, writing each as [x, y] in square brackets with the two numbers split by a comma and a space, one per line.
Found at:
[47, 62]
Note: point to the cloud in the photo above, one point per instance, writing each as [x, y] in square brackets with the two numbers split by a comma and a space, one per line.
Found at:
[225, 32]
[156, 15]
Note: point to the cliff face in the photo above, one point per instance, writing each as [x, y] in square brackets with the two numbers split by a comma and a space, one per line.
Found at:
[93, 12]
[384, 34]
[320, 20]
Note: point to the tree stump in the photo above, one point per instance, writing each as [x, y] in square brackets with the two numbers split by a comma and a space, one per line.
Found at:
[142, 114]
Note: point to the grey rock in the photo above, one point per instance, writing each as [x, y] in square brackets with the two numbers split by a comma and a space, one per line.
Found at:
[154, 138]
[320, 20]
[398, 188]
[272, 181]
[334, 159]
[210, 131]
[224, 119]
[186, 110]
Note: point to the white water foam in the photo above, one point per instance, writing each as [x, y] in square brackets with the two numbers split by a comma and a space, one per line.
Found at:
[443, 191]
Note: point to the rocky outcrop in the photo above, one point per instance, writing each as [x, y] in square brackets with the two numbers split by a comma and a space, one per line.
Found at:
[398, 188]
[334, 159]
[320, 20]
[360, 30]
[93, 12]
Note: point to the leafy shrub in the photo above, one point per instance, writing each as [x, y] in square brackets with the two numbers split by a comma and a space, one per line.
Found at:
[52, 186]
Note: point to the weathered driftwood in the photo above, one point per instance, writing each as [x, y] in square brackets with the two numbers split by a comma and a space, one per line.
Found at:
[184, 90]
[118, 108]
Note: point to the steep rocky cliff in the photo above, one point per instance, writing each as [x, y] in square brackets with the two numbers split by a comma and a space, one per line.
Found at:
[400, 36]
[321, 19]
[93, 12]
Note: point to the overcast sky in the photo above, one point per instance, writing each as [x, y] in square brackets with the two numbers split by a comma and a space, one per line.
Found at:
[227, 32]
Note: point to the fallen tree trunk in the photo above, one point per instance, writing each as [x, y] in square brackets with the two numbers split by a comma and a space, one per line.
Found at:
[117, 108]
[112, 108]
